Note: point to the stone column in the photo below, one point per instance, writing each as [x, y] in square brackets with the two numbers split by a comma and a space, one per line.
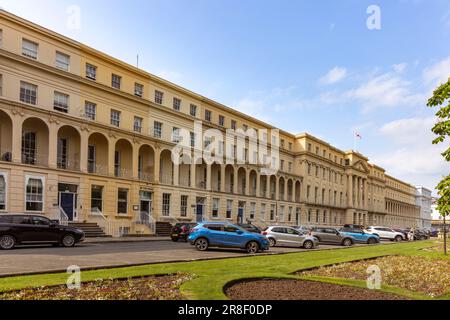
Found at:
[350, 191]
[208, 176]
[235, 176]
[135, 161]
[285, 190]
[193, 174]
[268, 194]
[277, 188]
[222, 177]
[111, 153]
[53, 145]
[247, 182]
[16, 148]
[84, 142]
[176, 174]
[293, 191]
[157, 166]
[258, 184]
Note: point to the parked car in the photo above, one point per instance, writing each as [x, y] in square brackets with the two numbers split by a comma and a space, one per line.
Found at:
[302, 229]
[360, 235]
[433, 233]
[332, 236]
[180, 231]
[278, 235]
[250, 227]
[405, 232]
[20, 229]
[386, 233]
[226, 235]
[421, 234]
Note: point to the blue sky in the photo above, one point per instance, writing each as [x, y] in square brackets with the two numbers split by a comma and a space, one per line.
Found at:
[304, 66]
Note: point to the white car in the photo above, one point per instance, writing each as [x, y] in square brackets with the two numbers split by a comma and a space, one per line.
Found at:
[386, 233]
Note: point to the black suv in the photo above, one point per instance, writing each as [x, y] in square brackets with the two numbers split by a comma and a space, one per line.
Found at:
[16, 229]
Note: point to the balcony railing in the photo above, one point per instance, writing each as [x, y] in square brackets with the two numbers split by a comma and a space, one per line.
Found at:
[97, 168]
[123, 173]
[185, 181]
[166, 179]
[145, 176]
[68, 164]
[35, 159]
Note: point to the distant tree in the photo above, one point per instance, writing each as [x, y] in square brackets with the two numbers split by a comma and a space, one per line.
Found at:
[441, 99]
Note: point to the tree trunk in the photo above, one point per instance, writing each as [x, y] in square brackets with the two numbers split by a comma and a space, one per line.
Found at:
[445, 237]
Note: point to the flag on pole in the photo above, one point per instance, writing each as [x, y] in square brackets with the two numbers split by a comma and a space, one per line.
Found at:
[358, 135]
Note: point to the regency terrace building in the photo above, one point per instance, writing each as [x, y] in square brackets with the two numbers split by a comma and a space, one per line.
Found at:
[87, 138]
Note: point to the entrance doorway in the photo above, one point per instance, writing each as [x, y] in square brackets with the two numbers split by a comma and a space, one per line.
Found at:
[145, 205]
[68, 200]
[241, 212]
[199, 209]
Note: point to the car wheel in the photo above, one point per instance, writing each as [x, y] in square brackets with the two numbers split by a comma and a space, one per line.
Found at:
[308, 244]
[201, 244]
[252, 247]
[272, 242]
[372, 241]
[7, 242]
[68, 241]
[347, 242]
[398, 238]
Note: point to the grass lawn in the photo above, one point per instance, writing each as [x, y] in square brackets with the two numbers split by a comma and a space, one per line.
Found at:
[210, 277]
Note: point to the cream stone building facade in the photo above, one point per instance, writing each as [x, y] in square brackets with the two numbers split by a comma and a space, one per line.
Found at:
[85, 137]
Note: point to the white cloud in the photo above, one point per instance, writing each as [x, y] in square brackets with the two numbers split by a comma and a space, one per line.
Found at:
[333, 76]
[437, 73]
[386, 90]
[413, 157]
[399, 68]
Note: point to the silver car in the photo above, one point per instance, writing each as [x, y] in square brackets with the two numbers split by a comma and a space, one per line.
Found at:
[280, 235]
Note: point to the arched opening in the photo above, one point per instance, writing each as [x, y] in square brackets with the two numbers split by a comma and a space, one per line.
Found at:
[263, 186]
[68, 148]
[146, 163]
[253, 183]
[281, 188]
[123, 159]
[242, 181]
[98, 154]
[216, 177]
[166, 167]
[298, 188]
[229, 178]
[290, 189]
[5, 137]
[35, 142]
[200, 174]
[273, 187]
[184, 170]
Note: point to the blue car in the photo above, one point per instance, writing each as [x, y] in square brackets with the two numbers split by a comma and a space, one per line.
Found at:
[360, 236]
[226, 235]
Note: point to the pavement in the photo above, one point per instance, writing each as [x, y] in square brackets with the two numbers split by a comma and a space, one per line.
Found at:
[125, 239]
[108, 254]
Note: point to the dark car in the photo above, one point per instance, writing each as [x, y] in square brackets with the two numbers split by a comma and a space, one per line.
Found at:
[250, 227]
[21, 229]
[405, 232]
[332, 236]
[180, 231]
